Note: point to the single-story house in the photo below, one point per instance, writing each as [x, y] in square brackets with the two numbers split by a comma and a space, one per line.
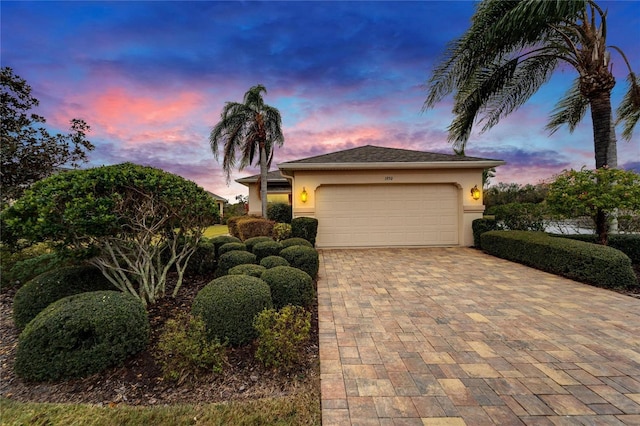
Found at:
[374, 196]
[220, 202]
[278, 190]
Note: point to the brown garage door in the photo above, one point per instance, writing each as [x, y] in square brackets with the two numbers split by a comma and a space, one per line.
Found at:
[387, 215]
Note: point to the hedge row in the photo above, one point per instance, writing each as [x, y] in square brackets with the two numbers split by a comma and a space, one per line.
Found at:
[628, 244]
[590, 263]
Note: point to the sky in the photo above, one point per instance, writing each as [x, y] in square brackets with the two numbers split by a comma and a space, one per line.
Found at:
[151, 79]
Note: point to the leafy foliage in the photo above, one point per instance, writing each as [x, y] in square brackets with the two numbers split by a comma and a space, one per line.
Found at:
[279, 212]
[248, 269]
[28, 151]
[124, 217]
[303, 258]
[305, 227]
[273, 261]
[281, 231]
[228, 305]
[507, 193]
[251, 242]
[281, 336]
[628, 244]
[221, 240]
[521, 216]
[81, 335]
[289, 286]
[184, 350]
[18, 266]
[479, 227]
[225, 248]
[266, 248]
[255, 227]
[233, 258]
[297, 241]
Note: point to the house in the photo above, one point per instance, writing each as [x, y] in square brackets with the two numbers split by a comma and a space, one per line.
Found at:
[374, 196]
[220, 202]
[278, 190]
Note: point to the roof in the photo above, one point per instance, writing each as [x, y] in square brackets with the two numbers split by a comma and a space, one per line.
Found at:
[273, 176]
[217, 197]
[369, 156]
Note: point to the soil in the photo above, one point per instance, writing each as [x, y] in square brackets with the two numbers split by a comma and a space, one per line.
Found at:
[139, 381]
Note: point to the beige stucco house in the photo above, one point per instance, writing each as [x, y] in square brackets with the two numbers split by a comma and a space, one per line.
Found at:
[373, 196]
[220, 202]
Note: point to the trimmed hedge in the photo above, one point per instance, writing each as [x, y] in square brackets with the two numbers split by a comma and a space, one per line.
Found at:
[81, 335]
[628, 244]
[305, 227]
[248, 269]
[303, 258]
[279, 212]
[289, 286]
[228, 305]
[266, 248]
[590, 263]
[480, 226]
[251, 242]
[273, 261]
[225, 248]
[46, 288]
[221, 240]
[233, 258]
[255, 227]
[295, 242]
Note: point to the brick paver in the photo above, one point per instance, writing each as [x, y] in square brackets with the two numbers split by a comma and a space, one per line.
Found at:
[452, 336]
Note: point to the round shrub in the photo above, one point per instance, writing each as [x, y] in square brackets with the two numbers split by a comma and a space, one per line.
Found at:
[233, 258]
[81, 335]
[46, 288]
[251, 242]
[296, 241]
[302, 257]
[221, 240]
[248, 269]
[266, 248]
[273, 261]
[228, 305]
[289, 286]
[225, 248]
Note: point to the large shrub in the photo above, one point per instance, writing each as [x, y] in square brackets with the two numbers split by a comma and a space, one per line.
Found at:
[282, 335]
[295, 242]
[201, 262]
[231, 259]
[521, 216]
[124, 217]
[221, 240]
[228, 305]
[251, 242]
[266, 248]
[255, 227]
[289, 286]
[273, 261]
[225, 248]
[305, 227]
[480, 226]
[45, 289]
[594, 264]
[20, 267]
[248, 269]
[81, 335]
[304, 258]
[279, 212]
[628, 244]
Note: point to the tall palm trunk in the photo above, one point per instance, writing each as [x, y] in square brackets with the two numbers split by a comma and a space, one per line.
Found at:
[263, 179]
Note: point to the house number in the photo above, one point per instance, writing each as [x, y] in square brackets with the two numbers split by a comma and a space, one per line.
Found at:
[388, 178]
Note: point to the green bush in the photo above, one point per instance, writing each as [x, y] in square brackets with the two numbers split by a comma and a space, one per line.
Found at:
[233, 258]
[304, 258]
[203, 259]
[251, 242]
[221, 240]
[305, 227]
[184, 350]
[279, 212]
[273, 261]
[266, 248]
[248, 269]
[289, 286]
[81, 335]
[281, 336]
[295, 242]
[281, 231]
[480, 226]
[521, 216]
[17, 266]
[628, 244]
[255, 227]
[590, 263]
[229, 304]
[225, 248]
[45, 289]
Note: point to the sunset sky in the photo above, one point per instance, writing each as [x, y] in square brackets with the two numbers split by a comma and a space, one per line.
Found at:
[151, 79]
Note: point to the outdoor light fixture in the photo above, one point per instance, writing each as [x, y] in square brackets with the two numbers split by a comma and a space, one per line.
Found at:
[475, 192]
[304, 195]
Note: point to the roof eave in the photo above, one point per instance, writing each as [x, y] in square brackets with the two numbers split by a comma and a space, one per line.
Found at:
[471, 164]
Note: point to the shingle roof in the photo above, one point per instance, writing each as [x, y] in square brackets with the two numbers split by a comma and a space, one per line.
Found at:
[272, 176]
[370, 154]
[217, 197]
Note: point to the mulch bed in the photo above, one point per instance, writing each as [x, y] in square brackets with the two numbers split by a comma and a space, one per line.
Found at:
[139, 381]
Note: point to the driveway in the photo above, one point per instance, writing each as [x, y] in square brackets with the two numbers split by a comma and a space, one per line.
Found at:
[452, 336]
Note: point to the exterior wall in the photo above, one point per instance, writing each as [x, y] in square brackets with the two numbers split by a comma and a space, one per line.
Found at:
[463, 179]
[255, 205]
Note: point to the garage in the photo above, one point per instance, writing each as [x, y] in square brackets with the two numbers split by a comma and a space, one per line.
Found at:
[387, 215]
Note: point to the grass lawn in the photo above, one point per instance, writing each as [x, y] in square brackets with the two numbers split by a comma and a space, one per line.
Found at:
[215, 230]
[303, 408]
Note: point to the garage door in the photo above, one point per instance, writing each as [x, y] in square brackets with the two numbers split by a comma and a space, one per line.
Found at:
[387, 215]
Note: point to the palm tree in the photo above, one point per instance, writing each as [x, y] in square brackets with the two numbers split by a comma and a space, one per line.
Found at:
[512, 48]
[250, 131]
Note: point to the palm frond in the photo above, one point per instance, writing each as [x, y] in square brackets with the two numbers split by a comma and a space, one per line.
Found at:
[628, 111]
[569, 110]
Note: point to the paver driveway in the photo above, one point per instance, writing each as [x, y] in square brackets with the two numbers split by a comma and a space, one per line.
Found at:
[451, 336]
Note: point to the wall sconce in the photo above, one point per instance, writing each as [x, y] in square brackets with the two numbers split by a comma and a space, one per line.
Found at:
[475, 192]
[303, 195]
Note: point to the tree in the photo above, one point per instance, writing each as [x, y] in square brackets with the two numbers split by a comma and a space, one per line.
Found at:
[512, 48]
[250, 131]
[29, 153]
[595, 193]
[135, 223]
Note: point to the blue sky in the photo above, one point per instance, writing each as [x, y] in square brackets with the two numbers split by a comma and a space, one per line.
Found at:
[151, 79]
